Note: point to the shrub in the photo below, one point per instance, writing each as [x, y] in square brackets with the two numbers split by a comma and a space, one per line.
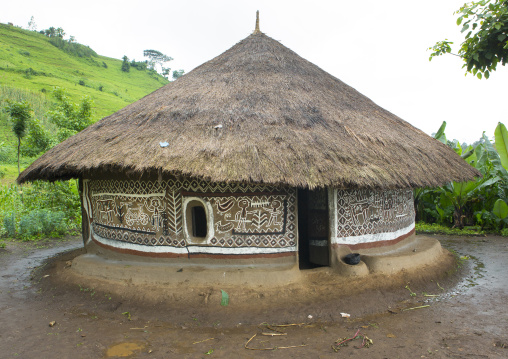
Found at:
[434, 228]
[72, 48]
[10, 224]
[41, 223]
[8, 154]
[82, 82]
[30, 72]
[40, 209]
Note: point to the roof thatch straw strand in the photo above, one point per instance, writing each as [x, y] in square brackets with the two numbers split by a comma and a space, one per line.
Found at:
[258, 113]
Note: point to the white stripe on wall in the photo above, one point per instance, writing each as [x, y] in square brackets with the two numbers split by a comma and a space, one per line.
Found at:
[375, 237]
[190, 249]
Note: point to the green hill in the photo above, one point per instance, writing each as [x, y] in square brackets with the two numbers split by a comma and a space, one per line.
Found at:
[28, 60]
[32, 65]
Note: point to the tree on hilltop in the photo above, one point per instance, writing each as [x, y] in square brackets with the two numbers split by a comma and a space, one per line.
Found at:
[158, 58]
[126, 66]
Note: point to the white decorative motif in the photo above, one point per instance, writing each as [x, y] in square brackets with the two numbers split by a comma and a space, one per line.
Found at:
[368, 214]
[150, 213]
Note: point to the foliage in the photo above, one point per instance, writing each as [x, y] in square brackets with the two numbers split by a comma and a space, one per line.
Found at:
[139, 65]
[38, 139]
[41, 223]
[20, 113]
[158, 58]
[434, 228]
[177, 74]
[70, 118]
[125, 64]
[32, 25]
[481, 202]
[501, 135]
[53, 32]
[485, 45]
[40, 209]
[72, 48]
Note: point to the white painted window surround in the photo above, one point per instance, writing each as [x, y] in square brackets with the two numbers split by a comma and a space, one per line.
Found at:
[187, 220]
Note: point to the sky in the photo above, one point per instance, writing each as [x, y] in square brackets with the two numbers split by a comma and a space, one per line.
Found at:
[377, 47]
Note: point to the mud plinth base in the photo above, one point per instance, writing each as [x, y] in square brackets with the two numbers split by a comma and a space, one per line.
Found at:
[173, 274]
[410, 254]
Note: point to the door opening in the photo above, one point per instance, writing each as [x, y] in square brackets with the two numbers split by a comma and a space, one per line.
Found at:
[313, 228]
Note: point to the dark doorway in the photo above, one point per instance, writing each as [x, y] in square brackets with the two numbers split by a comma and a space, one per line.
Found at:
[199, 225]
[313, 228]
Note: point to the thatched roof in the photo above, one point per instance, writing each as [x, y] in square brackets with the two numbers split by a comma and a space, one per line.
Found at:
[258, 113]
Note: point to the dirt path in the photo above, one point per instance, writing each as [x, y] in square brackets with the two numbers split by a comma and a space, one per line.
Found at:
[467, 320]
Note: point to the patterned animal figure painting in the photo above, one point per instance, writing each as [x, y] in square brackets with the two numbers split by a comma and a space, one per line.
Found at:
[151, 213]
[369, 212]
[258, 214]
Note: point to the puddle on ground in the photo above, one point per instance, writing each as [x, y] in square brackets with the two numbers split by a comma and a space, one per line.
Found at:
[123, 350]
[16, 275]
[471, 264]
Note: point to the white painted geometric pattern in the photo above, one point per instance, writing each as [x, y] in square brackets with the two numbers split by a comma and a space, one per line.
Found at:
[150, 212]
[364, 211]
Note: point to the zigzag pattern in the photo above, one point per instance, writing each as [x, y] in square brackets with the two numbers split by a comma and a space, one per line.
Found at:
[148, 187]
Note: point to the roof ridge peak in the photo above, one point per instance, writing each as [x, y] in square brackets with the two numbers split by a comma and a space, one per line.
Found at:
[256, 30]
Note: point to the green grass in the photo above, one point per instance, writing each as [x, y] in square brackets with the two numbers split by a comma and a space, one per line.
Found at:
[10, 172]
[31, 67]
[434, 228]
[29, 61]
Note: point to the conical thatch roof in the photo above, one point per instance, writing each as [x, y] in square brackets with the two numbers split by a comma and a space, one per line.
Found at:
[259, 113]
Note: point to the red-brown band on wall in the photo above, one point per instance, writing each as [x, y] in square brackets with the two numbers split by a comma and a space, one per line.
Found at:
[379, 243]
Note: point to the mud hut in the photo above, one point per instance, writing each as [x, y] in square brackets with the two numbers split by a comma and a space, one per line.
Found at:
[257, 156]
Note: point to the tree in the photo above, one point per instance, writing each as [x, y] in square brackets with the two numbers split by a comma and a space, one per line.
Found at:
[158, 58]
[486, 40]
[49, 32]
[177, 74]
[60, 32]
[32, 25]
[20, 113]
[125, 64]
[70, 117]
[38, 139]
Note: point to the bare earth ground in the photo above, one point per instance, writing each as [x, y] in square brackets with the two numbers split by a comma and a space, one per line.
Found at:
[467, 317]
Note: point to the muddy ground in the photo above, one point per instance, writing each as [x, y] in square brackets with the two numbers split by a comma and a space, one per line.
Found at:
[458, 311]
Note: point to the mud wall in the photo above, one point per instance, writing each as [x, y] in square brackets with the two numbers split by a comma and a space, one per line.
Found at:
[154, 216]
[366, 218]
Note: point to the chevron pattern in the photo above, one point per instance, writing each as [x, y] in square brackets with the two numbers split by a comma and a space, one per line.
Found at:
[174, 211]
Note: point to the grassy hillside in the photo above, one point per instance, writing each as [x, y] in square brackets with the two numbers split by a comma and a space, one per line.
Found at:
[31, 66]
[29, 61]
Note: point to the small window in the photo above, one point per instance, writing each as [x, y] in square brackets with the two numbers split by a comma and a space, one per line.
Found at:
[199, 225]
[196, 221]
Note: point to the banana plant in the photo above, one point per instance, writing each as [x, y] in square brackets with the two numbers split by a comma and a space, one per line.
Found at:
[458, 194]
[501, 136]
[500, 210]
